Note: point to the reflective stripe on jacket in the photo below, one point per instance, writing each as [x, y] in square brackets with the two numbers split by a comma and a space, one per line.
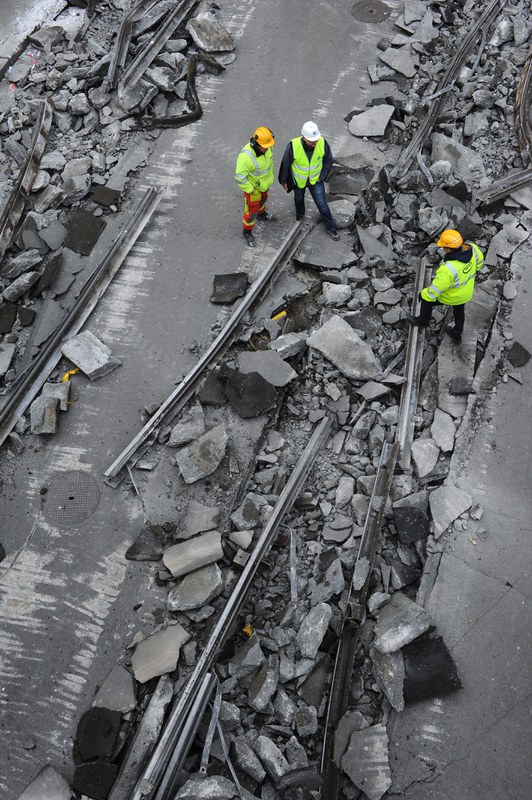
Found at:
[254, 172]
[304, 170]
[454, 280]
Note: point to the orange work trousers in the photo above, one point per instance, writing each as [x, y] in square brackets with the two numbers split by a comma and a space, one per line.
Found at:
[254, 206]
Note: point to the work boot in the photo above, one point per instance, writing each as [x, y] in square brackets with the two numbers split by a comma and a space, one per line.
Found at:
[417, 321]
[334, 235]
[299, 217]
[267, 217]
[453, 333]
[250, 239]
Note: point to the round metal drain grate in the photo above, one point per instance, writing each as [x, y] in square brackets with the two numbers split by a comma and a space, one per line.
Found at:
[371, 11]
[72, 497]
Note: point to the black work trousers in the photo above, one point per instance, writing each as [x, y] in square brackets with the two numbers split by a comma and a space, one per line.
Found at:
[425, 313]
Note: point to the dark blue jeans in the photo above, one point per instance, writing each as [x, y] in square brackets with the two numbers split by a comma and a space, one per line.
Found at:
[317, 191]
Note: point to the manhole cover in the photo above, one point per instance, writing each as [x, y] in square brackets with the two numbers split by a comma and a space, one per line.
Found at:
[371, 11]
[72, 497]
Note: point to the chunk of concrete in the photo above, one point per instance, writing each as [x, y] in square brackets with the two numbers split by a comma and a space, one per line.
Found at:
[464, 162]
[518, 355]
[429, 669]
[59, 391]
[209, 34]
[94, 779]
[97, 733]
[372, 122]
[373, 246]
[247, 659]
[389, 672]
[188, 556]
[203, 456]
[43, 415]
[92, 356]
[20, 286]
[271, 758]
[313, 629]
[147, 546]
[84, 230]
[48, 785]
[117, 691]
[289, 344]
[198, 518]
[443, 430]
[339, 343]
[316, 252]
[20, 264]
[447, 502]
[400, 59]
[196, 589]
[159, 653]
[7, 353]
[412, 523]
[400, 621]
[203, 787]
[190, 426]
[268, 364]
[246, 759]
[249, 394]
[366, 761]
[264, 684]
[425, 453]
[344, 212]
[228, 287]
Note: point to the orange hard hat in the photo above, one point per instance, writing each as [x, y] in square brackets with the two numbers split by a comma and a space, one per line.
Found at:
[450, 238]
[264, 137]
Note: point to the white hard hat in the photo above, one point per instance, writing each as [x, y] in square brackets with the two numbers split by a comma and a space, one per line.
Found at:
[310, 131]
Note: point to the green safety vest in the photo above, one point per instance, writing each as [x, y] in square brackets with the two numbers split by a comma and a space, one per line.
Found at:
[454, 281]
[303, 170]
[253, 172]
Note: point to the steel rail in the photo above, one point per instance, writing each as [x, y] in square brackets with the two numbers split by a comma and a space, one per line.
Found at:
[144, 58]
[354, 619]
[123, 39]
[523, 112]
[448, 77]
[188, 386]
[158, 779]
[507, 185]
[19, 194]
[28, 384]
[410, 389]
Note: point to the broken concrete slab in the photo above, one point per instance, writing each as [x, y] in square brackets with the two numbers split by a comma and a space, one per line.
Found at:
[366, 761]
[249, 394]
[507, 240]
[248, 658]
[400, 621]
[202, 457]
[117, 692]
[147, 546]
[465, 162]
[316, 252]
[271, 758]
[340, 344]
[213, 787]
[20, 286]
[8, 315]
[344, 212]
[447, 502]
[372, 122]
[246, 759]
[289, 344]
[400, 59]
[196, 589]
[198, 518]
[22, 263]
[374, 247]
[209, 34]
[84, 230]
[425, 453]
[429, 669]
[518, 355]
[43, 415]
[159, 653]
[92, 356]
[312, 630]
[264, 684]
[97, 733]
[230, 286]
[190, 427]
[443, 430]
[185, 557]
[48, 785]
[94, 779]
[389, 672]
[268, 364]
[59, 391]
[412, 523]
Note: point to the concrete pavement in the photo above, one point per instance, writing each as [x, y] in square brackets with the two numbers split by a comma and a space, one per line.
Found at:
[476, 743]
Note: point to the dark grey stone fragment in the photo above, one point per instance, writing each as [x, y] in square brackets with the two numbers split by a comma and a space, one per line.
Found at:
[146, 547]
[25, 316]
[104, 195]
[306, 778]
[212, 392]
[412, 524]
[459, 386]
[97, 733]
[313, 687]
[518, 355]
[46, 281]
[2, 552]
[84, 230]
[429, 669]
[249, 394]
[8, 313]
[95, 779]
[228, 287]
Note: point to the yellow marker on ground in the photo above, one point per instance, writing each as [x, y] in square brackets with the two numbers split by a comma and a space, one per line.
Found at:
[67, 375]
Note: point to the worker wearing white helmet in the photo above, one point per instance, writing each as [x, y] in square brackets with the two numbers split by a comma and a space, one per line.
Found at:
[306, 163]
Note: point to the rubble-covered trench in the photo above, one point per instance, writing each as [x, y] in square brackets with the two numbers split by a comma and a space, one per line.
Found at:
[334, 348]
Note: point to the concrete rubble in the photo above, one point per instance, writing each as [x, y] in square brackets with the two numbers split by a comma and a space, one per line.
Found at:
[338, 353]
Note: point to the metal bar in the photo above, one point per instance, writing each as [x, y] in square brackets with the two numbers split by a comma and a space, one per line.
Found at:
[188, 385]
[523, 111]
[409, 390]
[159, 772]
[356, 605]
[156, 43]
[119, 54]
[29, 383]
[448, 77]
[504, 187]
[21, 189]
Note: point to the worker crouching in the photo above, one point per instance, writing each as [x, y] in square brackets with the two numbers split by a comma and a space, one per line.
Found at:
[453, 283]
[254, 175]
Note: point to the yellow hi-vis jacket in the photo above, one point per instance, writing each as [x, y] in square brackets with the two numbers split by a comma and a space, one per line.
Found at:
[304, 170]
[454, 280]
[254, 173]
